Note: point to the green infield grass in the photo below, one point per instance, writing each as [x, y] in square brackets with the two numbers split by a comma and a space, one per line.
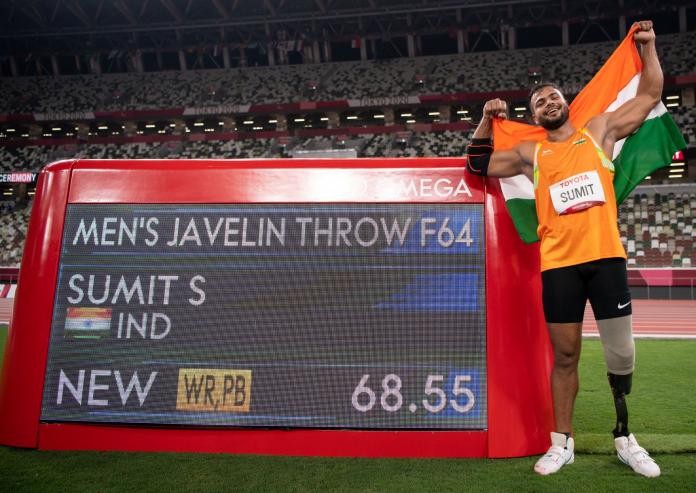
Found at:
[663, 416]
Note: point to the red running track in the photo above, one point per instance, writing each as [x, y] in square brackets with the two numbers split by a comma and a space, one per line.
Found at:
[6, 310]
[651, 318]
[655, 318]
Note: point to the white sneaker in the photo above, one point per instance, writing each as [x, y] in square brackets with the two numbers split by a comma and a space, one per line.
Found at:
[636, 457]
[560, 454]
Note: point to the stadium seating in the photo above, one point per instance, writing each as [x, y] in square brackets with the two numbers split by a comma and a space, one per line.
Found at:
[472, 72]
[33, 158]
[658, 229]
[685, 118]
[13, 230]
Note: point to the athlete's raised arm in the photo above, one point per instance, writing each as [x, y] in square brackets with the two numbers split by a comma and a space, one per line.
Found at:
[482, 161]
[621, 123]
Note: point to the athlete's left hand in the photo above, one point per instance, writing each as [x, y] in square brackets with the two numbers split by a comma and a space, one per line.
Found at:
[645, 33]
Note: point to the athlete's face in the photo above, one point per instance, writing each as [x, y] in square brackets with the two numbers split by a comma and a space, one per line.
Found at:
[549, 108]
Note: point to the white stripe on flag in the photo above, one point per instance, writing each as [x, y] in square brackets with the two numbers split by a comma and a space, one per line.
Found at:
[629, 92]
[517, 187]
[87, 324]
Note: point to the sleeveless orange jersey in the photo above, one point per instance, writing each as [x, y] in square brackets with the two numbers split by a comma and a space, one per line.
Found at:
[575, 202]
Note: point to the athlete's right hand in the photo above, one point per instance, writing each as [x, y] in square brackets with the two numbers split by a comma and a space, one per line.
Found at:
[495, 108]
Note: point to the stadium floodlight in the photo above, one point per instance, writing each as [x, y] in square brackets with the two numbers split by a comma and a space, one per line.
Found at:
[220, 124]
[378, 116]
[411, 121]
[462, 112]
[520, 108]
[272, 121]
[433, 113]
[102, 127]
[10, 130]
[198, 124]
[672, 105]
[299, 120]
[25, 135]
[56, 129]
[150, 125]
[351, 117]
[172, 125]
[676, 164]
[324, 118]
[257, 128]
[405, 115]
[672, 97]
[248, 122]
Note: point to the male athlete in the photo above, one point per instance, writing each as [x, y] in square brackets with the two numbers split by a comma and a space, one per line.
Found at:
[581, 253]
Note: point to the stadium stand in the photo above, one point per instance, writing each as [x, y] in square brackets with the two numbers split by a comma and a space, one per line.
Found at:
[33, 158]
[13, 230]
[658, 229]
[471, 72]
[685, 119]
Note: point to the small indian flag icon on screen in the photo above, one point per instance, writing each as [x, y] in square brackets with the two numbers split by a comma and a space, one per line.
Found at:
[87, 323]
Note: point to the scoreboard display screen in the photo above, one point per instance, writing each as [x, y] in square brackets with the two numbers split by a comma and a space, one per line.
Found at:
[368, 316]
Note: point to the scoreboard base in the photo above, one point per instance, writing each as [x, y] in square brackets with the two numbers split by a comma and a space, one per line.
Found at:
[324, 443]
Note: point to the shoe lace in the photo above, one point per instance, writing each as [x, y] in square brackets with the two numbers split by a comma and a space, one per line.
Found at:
[639, 453]
[554, 451]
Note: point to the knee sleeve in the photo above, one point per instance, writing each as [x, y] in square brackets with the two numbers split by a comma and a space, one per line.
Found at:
[619, 348]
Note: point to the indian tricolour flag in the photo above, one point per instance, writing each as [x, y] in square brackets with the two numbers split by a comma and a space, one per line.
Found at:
[635, 157]
[87, 322]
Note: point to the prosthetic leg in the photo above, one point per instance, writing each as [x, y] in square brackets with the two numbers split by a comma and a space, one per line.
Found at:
[620, 388]
[619, 354]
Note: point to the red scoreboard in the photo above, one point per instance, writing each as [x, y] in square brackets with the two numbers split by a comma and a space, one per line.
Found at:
[371, 307]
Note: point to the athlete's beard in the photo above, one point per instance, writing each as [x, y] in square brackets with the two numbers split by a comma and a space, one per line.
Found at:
[558, 122]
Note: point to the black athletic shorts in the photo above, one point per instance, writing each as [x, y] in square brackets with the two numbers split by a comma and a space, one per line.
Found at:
[604, 282]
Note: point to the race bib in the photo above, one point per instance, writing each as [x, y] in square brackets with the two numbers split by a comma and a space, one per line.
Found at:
[577, 193]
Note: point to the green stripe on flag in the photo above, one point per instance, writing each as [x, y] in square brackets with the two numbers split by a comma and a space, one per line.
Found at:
[523, 213]
[647, 150]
